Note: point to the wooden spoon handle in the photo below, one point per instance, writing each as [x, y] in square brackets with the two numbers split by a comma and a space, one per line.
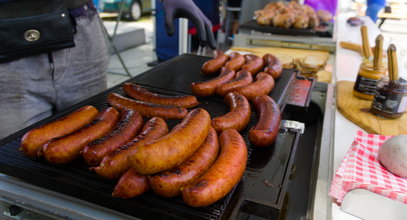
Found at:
[367, 53]
[378, 53]
[392, 63]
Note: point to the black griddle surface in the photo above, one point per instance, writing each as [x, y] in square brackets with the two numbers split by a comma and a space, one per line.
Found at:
[252, 25]
[265, 177]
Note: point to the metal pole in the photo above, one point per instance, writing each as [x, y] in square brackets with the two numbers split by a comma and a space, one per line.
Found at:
[183, 36]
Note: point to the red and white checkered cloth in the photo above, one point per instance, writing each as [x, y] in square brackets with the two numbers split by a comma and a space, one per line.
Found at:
[361, 169]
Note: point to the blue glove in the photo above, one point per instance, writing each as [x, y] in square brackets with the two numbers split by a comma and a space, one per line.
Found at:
[188, 9]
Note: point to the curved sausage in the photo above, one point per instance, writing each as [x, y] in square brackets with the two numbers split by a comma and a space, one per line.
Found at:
[213, 66]
[236, 61]
[115, 164]
[208, 88]
[237, 118]
[223, 175]
[175, 147]
[169, 183]
[146, 109]
[262, 86]
[65, 149]
[137, 92]
[34, 139]
[254, 64]
[266, 130]
[243, 78]
[131, 184]
[274, 67]
[128, 127]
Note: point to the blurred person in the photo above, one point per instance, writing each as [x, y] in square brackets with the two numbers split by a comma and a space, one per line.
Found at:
[373, 8]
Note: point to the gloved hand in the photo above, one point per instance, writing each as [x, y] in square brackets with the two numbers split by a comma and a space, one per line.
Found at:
[187, 9]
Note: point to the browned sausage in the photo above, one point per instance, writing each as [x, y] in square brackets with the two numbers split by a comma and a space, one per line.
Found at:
[169, 183]
[266, 130]
[274, 67]
[147, 109]
[115, 164]
[237, 118]
[208, 88]
[213, 66]
[33, 140]
[223, 175]
[236, 61]
[254, 64]
[131, 184]
[65, 149]
[243, 78]
[128, 127]
[262, 86]
[137, 92]
[175, 147]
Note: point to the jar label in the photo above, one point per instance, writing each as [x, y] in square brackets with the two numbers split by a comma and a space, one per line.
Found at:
[403, 105]
[365, 85]
[389, 102]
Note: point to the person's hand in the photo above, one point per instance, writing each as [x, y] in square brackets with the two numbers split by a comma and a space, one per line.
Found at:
[187, 9]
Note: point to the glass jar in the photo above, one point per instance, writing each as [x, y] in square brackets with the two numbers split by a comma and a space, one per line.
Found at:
[390, 100]
[367, 80]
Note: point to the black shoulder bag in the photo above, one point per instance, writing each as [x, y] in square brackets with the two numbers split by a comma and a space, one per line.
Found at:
[30, 27]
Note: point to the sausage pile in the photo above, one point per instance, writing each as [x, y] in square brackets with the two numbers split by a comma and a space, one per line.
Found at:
[200, 159]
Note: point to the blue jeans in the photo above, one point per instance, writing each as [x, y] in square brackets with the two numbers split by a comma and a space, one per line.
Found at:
[372, 11]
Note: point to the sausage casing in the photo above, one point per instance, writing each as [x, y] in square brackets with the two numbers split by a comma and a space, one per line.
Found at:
[236, 61]
[223, 175]
[137, 92]
[239, 115]
[243, 78]
[266, 130]
[263, 85]
[274, 67]
[147, 109]
[214, 65]
[115, 164]
[65, 149]
[33, 140]
[131, 184]
[129, 125]
[169, 183]
[208, 88]
[254, 64]
[175, 147]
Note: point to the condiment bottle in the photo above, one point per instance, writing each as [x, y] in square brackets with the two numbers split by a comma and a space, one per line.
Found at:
[390, 100]
[370, 71]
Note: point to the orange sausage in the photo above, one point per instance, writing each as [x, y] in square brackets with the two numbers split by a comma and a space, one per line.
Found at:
[266, 130]
[236, 61]
[213, 66]
[65, 149]
[262, 86]
[146, 109]
[208, 88]
[169, 183]
[175, 147]
[243, 78]
[137, 92]
[33, 140]
[274, 67]
[131, 184]
[254, 64]
[223, 175]
[129, 125]
[237, 118]
[115, 164]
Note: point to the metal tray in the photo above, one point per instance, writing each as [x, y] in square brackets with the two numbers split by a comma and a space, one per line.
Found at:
[264, 181]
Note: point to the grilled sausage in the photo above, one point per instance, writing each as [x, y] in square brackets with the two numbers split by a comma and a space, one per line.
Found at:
[65, 149]
[33, 140]
[213, 66]
[137, 92]
[243, 78]
[169, 183]
[266, 130]
[274, 67]
[262, 86]
[254, 64]
[236, 61]
[175, 147]
[223, 175]
[147, 109]
[208, 88]
[131, 184]
[237, 118]
[128, 127]
[115, 164]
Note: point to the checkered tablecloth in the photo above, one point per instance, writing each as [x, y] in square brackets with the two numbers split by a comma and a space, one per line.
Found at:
[361, 169]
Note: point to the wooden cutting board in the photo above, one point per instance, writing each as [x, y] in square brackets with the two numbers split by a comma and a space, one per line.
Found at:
[357, 111]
